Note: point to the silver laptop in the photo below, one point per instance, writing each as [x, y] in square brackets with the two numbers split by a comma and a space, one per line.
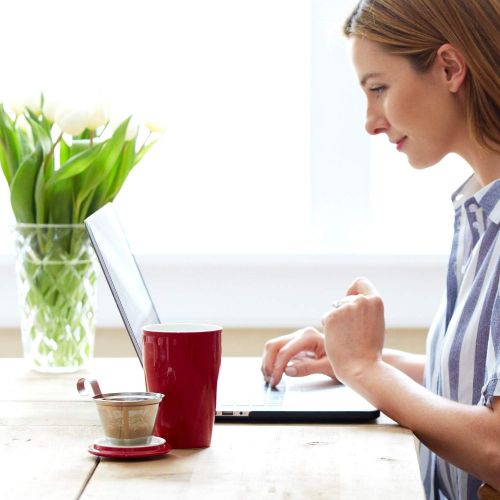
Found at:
[242, 394]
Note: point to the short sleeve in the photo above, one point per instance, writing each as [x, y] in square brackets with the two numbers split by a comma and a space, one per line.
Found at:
[492, 386]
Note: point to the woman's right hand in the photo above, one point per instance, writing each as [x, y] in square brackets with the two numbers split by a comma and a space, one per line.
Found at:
[296, 354]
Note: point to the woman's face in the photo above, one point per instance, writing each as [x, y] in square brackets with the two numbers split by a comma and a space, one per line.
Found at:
[416, 110]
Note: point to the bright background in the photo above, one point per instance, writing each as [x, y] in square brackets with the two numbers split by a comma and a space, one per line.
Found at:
[265, 196]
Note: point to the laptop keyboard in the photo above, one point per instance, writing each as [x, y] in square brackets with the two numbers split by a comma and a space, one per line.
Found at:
[272, 397]
[261, 397]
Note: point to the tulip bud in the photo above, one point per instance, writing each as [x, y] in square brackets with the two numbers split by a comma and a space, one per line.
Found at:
[155, 126]
[20, 100]
[97, 117]
[16, 106]
[50, 107]
[153, 119]
[72, 121]
[33, 102]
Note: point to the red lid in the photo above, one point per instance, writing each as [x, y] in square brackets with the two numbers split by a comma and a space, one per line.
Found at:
[101, 448]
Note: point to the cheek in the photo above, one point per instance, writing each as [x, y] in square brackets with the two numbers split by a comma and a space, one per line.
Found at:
[402, 110]
[416, 111]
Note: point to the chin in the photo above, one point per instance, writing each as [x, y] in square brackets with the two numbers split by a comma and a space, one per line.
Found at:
[420, 163]
[420, 166]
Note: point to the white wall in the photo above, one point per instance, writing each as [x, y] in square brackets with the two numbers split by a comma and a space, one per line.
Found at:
[266, 291]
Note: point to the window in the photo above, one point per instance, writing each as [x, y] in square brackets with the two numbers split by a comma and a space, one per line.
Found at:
[231, 81]
[265, 150]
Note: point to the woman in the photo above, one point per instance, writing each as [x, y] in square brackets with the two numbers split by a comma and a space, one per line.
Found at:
[429, 69]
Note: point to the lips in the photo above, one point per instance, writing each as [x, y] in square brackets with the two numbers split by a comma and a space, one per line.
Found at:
[400, 143]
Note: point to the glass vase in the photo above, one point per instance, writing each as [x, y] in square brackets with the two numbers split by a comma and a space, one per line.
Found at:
[56, 279]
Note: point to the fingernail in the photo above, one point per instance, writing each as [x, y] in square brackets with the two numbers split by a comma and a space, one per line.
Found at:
[291, 371]
[271, 381]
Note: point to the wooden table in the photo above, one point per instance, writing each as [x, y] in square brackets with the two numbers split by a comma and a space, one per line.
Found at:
[46, 427]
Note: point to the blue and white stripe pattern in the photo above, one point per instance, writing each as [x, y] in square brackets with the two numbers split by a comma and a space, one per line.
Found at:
[463, 346]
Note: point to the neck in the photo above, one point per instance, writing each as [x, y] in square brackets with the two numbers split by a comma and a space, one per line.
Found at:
[485, 163]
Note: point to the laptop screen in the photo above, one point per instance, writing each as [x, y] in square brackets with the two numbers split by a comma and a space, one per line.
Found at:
[122, 273]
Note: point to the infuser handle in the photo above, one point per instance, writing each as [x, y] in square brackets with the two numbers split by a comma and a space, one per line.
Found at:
[82, 389]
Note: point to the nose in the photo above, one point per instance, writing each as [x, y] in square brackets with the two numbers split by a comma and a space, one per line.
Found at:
[376, 123]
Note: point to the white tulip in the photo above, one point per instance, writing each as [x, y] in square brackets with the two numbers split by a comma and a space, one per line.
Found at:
[50, 106]
[153, 118]
[72, 121]
[16, 106]
[19, 100]
[156, 126]
[98, 116]
[33, 102]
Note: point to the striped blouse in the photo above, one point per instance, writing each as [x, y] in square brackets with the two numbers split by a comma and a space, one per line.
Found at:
[463, 346]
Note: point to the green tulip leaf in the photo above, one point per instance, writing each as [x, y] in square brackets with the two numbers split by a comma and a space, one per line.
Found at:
[40, 135]
[23, 186]
[76, 164]
[79, 145]
[30, 114]
[26, 146]
[107, 190]
[64, 152]
[143, 151]
[127, 162]
[61, 203]
[54, 182]
[5, 163]
[40, 194]
[102, 167]
[10, 143]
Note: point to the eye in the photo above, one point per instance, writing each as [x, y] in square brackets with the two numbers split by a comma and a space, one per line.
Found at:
[378, 89]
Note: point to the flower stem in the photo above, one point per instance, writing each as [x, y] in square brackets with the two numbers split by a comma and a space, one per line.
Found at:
[45, 167]
[146, 140]
[51, 153]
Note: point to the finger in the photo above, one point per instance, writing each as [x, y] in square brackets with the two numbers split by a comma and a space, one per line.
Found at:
[344, 300]
[308, 366]
[304, 354]
[340, 306]
[300, 343]
[271, 349]
[362, 286]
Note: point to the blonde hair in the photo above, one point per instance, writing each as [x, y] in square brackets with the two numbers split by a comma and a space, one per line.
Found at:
[417, 28]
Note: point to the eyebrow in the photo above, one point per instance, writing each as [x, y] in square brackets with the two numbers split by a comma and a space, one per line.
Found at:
[367, 77]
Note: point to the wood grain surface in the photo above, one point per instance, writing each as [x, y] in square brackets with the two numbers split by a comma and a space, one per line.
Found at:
[46, 428]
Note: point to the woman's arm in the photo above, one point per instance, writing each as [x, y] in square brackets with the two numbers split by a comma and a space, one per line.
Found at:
[411, 364]
[467, 436]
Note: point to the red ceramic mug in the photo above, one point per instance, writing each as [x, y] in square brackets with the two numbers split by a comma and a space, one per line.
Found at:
[182, 361]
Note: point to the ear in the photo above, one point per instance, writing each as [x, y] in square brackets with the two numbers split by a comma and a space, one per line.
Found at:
[452, 66]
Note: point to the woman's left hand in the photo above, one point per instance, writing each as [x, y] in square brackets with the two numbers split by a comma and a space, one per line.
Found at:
[354, 330]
